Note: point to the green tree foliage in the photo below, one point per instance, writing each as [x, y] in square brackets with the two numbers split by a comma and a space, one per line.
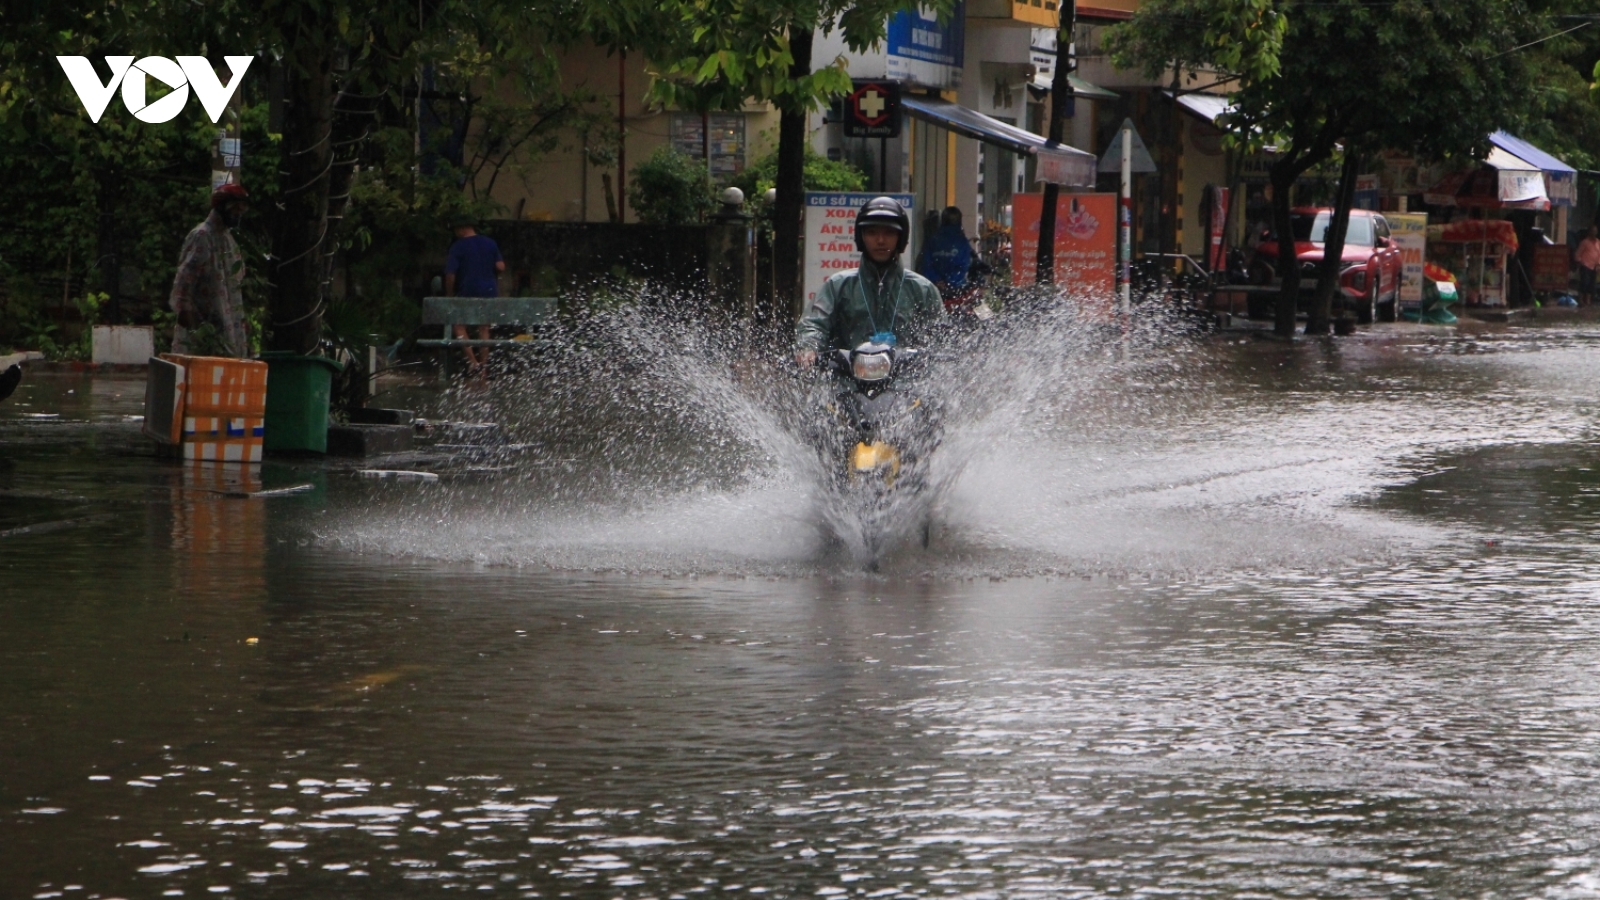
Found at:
[1428, 78]
[821, 174]
[670, 188]
[719, 53]
[1563, 116]
[351, 73]
[1242, 39]
[723, 52]
[91, 202]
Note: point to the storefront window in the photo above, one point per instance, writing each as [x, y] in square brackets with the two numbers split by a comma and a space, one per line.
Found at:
[727, 143]
[998, 169]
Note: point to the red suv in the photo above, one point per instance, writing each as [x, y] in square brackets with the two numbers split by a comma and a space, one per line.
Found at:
[1369, 270]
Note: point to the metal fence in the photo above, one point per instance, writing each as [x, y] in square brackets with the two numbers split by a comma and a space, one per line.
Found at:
[579, 252]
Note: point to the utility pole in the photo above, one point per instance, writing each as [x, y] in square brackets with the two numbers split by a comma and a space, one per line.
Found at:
[1061, 109]
[622, 136]
[1125, 221]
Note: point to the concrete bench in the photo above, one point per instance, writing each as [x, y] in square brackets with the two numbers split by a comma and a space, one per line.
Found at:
[450, 311]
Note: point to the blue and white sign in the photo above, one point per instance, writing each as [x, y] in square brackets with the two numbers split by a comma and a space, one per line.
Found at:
[926, 52]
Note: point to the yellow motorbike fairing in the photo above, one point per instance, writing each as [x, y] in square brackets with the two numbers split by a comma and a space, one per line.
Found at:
[875, 457]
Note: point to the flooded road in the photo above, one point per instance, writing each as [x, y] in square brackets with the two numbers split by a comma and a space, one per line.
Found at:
[1242, 620]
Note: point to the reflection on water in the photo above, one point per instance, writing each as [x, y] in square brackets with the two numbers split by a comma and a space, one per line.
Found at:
[1322, 625]
[209, 525]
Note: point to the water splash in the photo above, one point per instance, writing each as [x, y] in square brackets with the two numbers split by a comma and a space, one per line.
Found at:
[661, 438]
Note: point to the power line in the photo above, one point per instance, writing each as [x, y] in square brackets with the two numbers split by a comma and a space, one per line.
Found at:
[1550, 37]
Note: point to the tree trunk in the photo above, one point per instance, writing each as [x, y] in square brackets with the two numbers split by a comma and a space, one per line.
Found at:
[789, 205]
[353, 116]
[1061, 102]
[1319, 317]
[300, 221]
[1282, 175]
[108, 262]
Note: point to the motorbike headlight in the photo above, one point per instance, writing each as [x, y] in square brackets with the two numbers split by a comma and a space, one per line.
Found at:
[870, 366]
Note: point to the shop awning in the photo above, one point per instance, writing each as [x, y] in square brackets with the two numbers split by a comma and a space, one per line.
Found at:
[1206, 106]
[1041, 84]
[1069, 165]
[1502, 181]
[1561, 180]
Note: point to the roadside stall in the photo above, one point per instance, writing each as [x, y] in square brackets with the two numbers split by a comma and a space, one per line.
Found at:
[1478, 248]
[1476, 251]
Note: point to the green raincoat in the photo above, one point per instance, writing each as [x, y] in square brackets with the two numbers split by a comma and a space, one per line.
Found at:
[853, 306]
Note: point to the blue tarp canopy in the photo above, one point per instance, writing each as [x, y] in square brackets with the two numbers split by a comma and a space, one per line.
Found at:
[1561, 180]
[1071, 166]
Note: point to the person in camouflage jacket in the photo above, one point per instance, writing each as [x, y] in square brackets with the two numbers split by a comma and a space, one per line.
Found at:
[205, 293]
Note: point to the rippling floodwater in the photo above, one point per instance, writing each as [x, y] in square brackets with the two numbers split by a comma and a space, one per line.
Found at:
[1262, 622]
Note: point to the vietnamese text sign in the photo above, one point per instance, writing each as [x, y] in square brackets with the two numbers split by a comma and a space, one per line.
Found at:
[1550, 268]
[1366, 195]
[1064, 166]
[1517, 186]
[1562, 188]
[1409, 231]
[925, 51]
[831, 234]
[1086, 242]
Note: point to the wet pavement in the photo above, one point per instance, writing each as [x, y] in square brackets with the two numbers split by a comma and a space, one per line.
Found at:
[1268, 621]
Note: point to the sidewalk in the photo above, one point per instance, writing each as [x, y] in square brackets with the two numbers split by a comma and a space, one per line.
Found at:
[28, 358]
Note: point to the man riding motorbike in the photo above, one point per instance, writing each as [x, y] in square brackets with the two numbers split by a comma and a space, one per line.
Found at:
[947, 259]
[880, 302]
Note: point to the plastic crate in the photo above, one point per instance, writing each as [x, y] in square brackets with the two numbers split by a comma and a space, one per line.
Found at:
[221, 439]
[220, 415]
[216, 386]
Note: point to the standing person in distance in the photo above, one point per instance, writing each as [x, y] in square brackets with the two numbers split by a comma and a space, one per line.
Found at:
[206, 297]
[1588, 258]
[880, 301]
[472, 270]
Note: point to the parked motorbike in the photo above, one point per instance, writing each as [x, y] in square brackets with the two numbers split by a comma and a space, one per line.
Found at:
[969, 303]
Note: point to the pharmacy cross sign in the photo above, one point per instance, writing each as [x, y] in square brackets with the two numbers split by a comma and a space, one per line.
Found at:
[873, 110]
[871, 106]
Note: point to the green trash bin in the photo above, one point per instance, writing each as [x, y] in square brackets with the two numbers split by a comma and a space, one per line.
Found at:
[298, 391]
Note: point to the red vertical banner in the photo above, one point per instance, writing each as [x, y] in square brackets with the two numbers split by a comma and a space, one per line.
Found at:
[1216, 249]
[1086, 242]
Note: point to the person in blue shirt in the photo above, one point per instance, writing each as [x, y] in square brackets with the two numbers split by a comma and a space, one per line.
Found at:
[947, 256]
[472, 270]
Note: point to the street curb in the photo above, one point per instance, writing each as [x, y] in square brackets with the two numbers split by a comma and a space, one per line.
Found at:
[28, 358]
[82, 368]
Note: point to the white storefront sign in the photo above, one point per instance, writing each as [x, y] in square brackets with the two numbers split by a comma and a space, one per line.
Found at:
[1409, 231]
